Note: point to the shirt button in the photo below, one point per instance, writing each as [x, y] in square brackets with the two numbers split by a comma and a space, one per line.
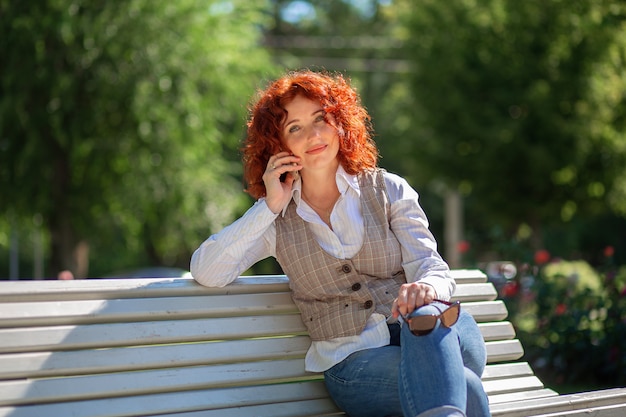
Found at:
[368, 304]
[356, 287]
[346, 269]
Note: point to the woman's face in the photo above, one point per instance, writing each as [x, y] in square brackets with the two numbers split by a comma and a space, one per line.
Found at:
[310, 134]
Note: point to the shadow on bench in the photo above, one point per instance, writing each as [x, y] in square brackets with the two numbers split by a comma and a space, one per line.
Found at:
[171, 347]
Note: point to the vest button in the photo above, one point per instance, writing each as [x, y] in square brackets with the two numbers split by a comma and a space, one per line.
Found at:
[368, 304]
[346, 268]
[356, 287]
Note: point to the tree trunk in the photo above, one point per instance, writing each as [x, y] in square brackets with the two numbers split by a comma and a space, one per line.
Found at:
[453, 227]
[67, 250]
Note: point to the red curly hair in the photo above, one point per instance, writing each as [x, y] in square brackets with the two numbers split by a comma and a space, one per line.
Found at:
[357, 150]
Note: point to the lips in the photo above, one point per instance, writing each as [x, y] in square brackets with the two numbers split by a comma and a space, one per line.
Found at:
[317, 149]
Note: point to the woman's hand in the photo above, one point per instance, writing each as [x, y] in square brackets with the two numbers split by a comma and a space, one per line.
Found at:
[279, 192]
[412, 296]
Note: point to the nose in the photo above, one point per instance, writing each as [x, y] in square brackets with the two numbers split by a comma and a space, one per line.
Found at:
[314, 132]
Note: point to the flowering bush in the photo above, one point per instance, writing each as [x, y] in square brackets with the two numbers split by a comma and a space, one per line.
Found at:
[574, 326]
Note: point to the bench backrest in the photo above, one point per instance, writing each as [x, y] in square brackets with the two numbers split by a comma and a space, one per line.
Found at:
[134, 347]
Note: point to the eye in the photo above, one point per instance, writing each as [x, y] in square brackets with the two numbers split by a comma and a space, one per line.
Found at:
[320, 118]
[294, 129]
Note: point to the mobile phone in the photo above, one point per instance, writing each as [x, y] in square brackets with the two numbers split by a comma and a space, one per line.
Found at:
[296, 175]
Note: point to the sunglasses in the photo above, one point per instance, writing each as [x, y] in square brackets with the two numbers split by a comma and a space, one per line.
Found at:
[423, 325]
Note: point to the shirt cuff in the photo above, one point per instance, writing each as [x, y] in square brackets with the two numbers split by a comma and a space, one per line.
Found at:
[444, 286]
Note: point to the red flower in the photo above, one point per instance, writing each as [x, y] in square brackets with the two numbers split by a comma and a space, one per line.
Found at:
[510, 289]
[463, 246]
[542, 256]
[609, 251]
[560, 309]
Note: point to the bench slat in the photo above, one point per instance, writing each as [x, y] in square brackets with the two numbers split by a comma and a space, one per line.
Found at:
[56, 338]
[507, 370]
[147, 333]
[468, 276]
[504, 386]
[610, 402]
[153, 381]
[615, 410]
[501, 330]
[143, 309]
[475, 292]
[81, 362]
[169, 308]
[505, 350]
[176, 402]
[113, 289]
[309, 408]
[521, 395]
[485, 311]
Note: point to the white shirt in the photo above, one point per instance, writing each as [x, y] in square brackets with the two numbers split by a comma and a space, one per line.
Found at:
[226, 255]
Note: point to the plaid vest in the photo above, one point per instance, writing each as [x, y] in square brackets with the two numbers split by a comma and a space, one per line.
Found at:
[337, 296]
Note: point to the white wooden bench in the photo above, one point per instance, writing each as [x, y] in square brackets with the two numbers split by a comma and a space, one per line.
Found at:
[170, 347]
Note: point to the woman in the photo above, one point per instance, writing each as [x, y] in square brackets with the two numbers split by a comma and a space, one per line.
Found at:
[363, 267]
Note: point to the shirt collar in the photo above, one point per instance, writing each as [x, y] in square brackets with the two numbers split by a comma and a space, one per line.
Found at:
[344, 182]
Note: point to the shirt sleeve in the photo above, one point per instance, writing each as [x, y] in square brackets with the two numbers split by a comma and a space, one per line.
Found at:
[225, 255]
[420, 259]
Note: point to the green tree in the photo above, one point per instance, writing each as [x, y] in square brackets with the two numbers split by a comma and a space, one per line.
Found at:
[521, 107]
[120, 123]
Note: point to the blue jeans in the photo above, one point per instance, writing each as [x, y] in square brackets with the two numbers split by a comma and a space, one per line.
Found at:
[433, 375]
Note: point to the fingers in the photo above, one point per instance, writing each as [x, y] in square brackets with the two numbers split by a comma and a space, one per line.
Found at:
[412, 296]
[283, 162]
[394, 309]
[278, 193]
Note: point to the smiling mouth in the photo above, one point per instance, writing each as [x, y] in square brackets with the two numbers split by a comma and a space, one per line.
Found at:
[316, 149]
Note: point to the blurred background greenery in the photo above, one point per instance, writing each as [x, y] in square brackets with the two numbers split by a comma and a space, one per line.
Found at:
[120, 127]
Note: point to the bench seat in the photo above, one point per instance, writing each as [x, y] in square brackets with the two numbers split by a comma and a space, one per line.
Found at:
[170, 347]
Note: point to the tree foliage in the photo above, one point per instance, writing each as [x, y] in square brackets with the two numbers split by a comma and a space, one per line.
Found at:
[120, 122]
[522, 106]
